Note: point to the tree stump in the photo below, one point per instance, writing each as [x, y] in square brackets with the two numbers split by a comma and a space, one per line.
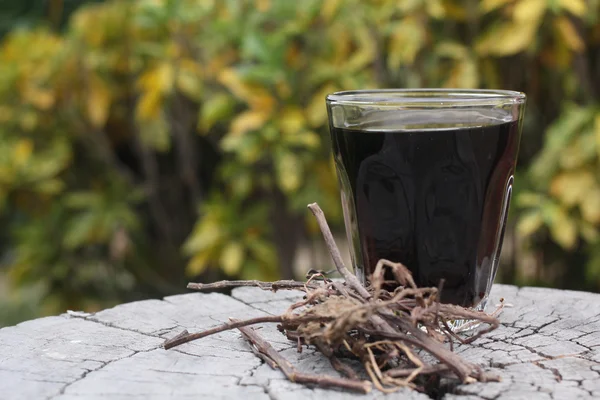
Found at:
[548, 347]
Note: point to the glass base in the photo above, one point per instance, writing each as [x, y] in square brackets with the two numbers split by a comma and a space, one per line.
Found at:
[465, 325]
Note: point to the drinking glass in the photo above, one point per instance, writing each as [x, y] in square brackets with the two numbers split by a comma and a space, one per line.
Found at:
[426, 178]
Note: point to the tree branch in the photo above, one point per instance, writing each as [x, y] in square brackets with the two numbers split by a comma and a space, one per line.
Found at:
[349, 277]
[185, 337]
[269, 353]
[274, 286]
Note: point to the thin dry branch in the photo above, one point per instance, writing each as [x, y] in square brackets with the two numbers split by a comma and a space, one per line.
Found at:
[273, 286]
[265, 349]
[185, 337]
[350, 278]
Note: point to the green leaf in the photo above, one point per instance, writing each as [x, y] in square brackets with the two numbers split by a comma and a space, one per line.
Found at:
[155, 134]
[217, 108]
[241, 184]
[529, 223]
[563, 228]
[529, 199]
[80, 230]
[589, 232]
[50, 186]
[558, 136]
[255, 47]
[581, 152]
[83, 200]
[262, 251]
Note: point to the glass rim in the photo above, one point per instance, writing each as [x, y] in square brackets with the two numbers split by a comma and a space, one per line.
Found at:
[432, 97]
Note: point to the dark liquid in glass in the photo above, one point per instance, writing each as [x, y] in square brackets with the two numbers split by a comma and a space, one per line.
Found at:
[434, 199]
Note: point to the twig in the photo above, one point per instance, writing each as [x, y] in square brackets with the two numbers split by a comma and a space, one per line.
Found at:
[426, 370]
[335, 362]
[274, 286]
[350, 278]
[292, 374]
[185, 337]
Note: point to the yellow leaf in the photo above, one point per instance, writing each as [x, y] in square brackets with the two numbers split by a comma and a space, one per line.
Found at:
[232, 258]
[158, 79]
[590, 206]
[263, 5]
[516, 37]
[204, 238]
[342, 44]
[289, 171]
[149, 106]
[316, 111]
[198, 263]
[435, 9]
[563, 229]
[529, 223]
[454, 11]
[155, 85]
[256, 96]
[98, 102]
[164, 77]
[575, 7]
[452, 49]
[189, 85]
[247, 121]
[291, 120]
[330, 8]
[569, 34]
[572, 187]
[529, 12]
[189, 78]
[307, 139]
[463, 75]
[22, 151]
[406, 40]
[40, 98]
[490, 5]
[364, 53]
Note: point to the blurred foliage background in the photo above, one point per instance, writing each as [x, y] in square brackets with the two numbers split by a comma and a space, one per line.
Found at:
[146, 143]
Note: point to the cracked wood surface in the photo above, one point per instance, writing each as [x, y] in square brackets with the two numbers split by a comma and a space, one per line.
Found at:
[548, 347]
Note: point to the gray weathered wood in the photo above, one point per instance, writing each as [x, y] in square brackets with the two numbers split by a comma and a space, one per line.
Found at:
[548, 347]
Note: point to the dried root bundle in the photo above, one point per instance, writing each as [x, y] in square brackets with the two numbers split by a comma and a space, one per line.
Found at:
[388, 331]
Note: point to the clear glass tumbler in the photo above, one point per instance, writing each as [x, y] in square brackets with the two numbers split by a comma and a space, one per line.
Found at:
[426, 178]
